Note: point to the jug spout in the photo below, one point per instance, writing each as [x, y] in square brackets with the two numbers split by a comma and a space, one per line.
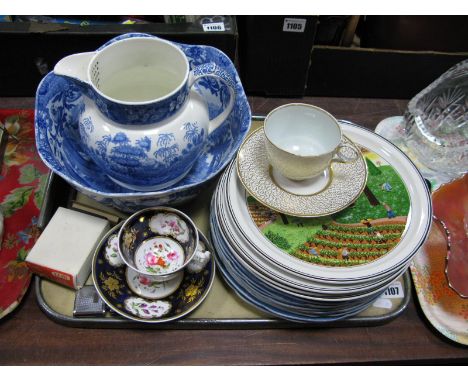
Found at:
[75, 66]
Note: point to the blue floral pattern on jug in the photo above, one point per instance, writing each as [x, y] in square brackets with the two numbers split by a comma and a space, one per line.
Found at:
[59, 103]
[202, 58]
[130, 166]
[141, 114]
[126, 160]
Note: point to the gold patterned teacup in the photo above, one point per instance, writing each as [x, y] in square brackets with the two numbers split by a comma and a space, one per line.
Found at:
[303, 140]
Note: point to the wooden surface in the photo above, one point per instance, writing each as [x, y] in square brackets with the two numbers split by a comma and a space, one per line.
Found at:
[28, 337]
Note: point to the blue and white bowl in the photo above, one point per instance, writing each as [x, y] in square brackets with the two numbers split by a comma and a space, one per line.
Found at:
[59, 102]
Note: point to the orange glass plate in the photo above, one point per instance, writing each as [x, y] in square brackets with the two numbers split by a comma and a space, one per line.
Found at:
[441, 299]
[451, 206]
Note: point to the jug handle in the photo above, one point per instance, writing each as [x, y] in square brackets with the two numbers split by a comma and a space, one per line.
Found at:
[75, 66]
[213, 70]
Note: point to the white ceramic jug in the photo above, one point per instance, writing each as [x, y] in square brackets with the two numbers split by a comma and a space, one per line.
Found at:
[142, 123]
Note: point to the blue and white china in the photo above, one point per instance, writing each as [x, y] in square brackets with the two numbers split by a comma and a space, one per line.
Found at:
[60, 101]
[158, 242]
[141, 120]
[120, 294]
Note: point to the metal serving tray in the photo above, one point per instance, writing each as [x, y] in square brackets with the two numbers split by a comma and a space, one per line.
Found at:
[222, 309]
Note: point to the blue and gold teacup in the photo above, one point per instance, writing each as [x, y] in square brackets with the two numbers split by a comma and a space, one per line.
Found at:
[158, 243]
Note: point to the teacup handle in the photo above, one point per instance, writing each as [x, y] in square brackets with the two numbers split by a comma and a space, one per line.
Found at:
[339, 157]
[213, 70]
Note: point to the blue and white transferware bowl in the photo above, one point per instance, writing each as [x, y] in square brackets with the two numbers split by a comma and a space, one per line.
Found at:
[59, 104]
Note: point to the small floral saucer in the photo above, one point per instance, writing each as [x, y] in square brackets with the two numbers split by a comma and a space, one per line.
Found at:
[147, 287]
[110, 279]
[328, 193]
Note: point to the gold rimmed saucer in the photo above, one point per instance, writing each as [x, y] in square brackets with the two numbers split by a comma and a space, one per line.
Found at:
[330, 192]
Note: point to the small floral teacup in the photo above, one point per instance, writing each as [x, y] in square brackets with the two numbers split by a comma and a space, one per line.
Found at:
[158, 243]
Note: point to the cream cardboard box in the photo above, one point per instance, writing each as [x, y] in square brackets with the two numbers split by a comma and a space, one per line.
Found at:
[64, 251]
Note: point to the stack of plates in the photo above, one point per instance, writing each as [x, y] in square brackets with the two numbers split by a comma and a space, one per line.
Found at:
[316, 267]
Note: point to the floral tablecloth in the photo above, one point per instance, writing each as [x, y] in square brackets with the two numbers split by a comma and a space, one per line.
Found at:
[22, 181]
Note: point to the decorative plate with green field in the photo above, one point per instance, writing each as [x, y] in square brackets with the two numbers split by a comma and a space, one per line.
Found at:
[359, 234]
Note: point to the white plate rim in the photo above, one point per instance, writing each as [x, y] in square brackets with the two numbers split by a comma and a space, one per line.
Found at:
[418, 224]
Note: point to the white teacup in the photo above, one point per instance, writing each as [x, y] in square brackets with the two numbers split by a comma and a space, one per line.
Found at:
[303, 140]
